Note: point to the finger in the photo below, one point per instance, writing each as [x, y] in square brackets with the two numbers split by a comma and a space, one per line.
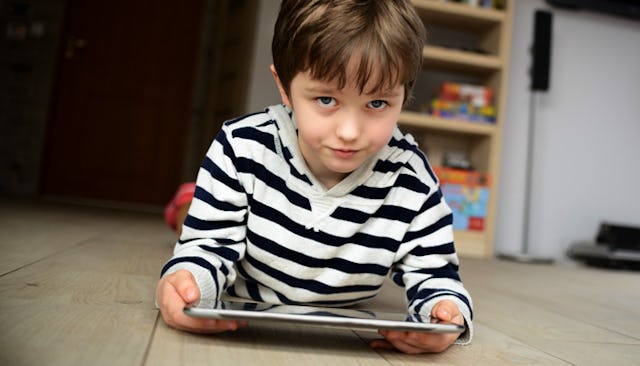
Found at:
[447, 311]
[431, 342]
[399, 341]
[185, 286]
[418, 342]
[381, 344]
[458, 319]
[442, 311]
[208, 326]
[403, 346]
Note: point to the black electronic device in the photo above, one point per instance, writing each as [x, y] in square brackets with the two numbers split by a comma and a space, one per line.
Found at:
[616, 246]
[541, 50]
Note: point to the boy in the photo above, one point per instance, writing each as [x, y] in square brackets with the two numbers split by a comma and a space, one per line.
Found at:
[315, 201]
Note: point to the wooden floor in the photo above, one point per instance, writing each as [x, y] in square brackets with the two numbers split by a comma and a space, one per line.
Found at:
[77, 284]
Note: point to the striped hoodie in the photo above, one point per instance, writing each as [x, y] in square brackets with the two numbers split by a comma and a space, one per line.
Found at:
[262, 227]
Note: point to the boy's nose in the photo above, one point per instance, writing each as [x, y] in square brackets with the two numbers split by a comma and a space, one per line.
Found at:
[349, 127]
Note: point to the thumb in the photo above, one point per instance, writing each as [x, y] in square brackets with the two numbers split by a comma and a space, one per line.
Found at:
[186, 287]
[190, 294]
[444, 310]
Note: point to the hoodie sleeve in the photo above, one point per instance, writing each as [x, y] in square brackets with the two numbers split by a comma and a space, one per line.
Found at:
[427, 264]
[213, 235]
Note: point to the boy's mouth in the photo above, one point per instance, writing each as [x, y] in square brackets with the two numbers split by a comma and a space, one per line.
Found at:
[344, 153]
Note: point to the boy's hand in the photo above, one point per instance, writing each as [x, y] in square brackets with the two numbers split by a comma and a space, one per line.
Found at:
[445, 311]
[179, 289]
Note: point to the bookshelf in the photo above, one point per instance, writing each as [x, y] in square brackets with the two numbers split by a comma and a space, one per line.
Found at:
[468, 45]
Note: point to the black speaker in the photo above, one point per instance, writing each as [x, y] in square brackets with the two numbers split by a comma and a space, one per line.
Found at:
[541, 50]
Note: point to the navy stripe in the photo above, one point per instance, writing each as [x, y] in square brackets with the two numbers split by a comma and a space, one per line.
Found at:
[443, 249]
[397, 213]
[386, 166]
[224, 252]
[253, 134]
[396, 277]
[418, 293]
[389, 212]
[222, 241]
[232, 291]
[351, 215]
[268, 123]
[198, 224]
[292, 169]
[338, 264]
[249, 281]
[371, 193]
[221, 138]
[274, 181]
[254, 293]
[412, 183]
[447, 271]
[443, 222]
[219, 175]
[405, 145]
[207, 197]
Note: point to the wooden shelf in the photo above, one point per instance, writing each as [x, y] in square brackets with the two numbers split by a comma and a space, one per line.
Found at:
[457, 60]
[426, 121]
[462, 27]
[463, 16]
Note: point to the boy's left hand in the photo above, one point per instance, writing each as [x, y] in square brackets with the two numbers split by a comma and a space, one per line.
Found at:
[445, 311]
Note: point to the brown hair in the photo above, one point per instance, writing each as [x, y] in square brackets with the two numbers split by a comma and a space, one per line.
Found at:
[322, 36]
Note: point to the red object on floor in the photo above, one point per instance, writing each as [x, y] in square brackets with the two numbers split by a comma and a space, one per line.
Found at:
[183, 195]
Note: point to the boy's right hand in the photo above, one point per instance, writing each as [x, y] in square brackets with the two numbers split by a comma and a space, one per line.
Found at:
[177, 290]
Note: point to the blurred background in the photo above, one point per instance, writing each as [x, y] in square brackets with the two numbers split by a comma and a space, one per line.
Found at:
[113, 102]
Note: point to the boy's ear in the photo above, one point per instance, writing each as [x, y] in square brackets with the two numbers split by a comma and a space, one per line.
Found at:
[283, 93]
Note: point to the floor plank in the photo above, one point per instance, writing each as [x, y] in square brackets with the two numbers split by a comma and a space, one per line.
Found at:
[90, 302]
[32, 232]
[41, 334]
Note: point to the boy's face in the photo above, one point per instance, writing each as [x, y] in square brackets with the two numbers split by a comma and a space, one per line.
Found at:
[339, 129]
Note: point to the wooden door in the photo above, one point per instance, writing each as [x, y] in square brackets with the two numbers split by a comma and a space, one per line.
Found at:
[122, 99]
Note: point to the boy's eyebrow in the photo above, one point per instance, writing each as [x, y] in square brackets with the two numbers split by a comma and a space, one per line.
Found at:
[325, 89]
[390, 93]
[319, 89]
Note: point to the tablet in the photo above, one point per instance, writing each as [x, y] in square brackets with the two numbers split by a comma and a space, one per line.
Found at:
[360, 319]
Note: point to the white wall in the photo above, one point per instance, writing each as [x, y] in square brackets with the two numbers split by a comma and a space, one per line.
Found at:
[587, 132]
[262, 89]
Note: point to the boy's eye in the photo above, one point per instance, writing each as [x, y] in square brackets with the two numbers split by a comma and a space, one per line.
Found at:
[326, 101]
[377, 104]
